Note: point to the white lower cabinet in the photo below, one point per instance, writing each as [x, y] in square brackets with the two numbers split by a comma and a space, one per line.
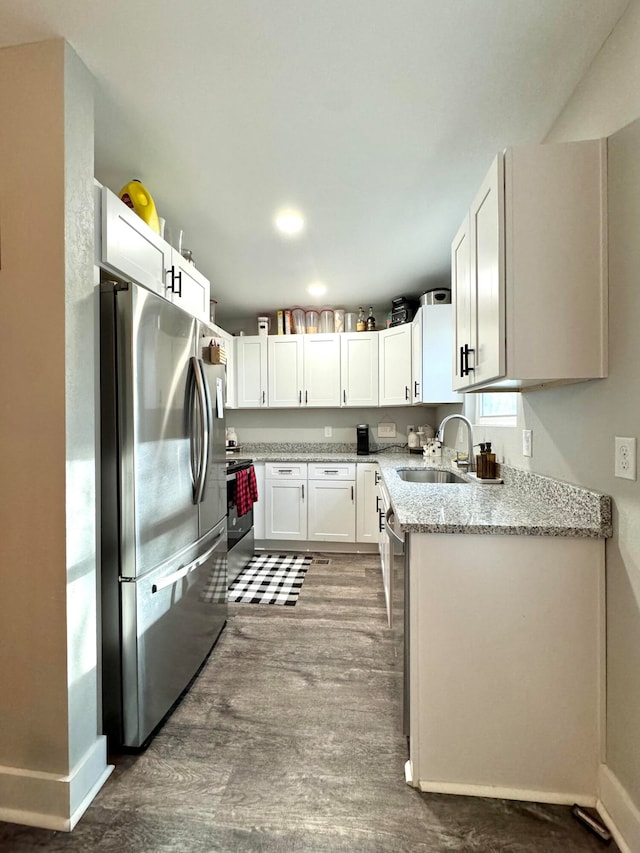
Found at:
[366, 504]
[332, 503]
[286, 501]
[317, 502]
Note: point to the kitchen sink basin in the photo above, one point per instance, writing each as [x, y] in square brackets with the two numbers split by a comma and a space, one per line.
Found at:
[429, 475]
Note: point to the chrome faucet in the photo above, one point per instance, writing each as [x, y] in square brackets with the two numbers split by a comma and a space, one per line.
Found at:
[471, 466]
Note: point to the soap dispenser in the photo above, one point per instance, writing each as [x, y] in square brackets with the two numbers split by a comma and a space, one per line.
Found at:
[490, 464]
[481, 460]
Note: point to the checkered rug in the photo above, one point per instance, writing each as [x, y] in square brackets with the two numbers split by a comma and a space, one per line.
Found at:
[270, 579]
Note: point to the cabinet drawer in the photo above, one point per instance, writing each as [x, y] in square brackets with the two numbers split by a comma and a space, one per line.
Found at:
[332, 471]
[285, 470]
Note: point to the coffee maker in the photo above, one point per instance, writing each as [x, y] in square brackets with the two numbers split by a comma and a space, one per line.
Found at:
[362, 436]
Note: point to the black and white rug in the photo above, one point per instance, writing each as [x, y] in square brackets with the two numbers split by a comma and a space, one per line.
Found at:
[270, 579]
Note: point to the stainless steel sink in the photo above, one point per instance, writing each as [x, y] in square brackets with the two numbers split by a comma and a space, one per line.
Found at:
[429, 475]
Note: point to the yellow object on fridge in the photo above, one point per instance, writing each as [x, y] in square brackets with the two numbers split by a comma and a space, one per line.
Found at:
[136, 196]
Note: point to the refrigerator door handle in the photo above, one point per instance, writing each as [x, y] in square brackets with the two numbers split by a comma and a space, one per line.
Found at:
[174, 577]
[207, 403]
[199, 464]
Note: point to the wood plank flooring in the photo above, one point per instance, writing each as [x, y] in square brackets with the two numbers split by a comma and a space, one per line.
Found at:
[290, 740]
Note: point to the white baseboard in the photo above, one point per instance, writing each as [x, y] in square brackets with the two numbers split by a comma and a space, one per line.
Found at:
[50, 800]
[618, 811]
[465, 790]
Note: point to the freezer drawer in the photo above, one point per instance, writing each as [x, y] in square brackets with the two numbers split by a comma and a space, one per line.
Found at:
[170, 620]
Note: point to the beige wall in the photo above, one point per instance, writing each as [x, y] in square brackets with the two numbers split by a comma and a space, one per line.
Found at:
[50, 751]
[574, 427]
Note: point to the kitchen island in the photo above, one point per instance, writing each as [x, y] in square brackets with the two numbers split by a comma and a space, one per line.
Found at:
[505, 593]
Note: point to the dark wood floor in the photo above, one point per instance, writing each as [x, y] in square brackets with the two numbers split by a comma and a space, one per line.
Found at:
[290, 740]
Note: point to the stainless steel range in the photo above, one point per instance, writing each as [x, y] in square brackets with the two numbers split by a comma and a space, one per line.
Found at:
[239, 527]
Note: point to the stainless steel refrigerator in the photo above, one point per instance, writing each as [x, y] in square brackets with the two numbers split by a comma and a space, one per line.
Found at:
[163, 508]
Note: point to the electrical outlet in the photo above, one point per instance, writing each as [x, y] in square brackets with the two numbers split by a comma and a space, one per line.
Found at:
[625, 461]
[328, 432]
[386, 430]
[527, 437]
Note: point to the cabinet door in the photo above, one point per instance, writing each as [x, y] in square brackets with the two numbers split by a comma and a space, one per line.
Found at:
[417, 388]
[251, 371]
[395, 366]
[225, 340]
[187, 287]
[285, 370]
[366, 504]
[437, 336]
[321, 370]
[487, 276]
[359, 368]
[286, 509]
[130, 247]
[332, 510]
[260, 504]
[463, 340]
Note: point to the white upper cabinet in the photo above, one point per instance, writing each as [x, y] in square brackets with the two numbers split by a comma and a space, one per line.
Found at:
[130, 248]
[529, 270]
[321, 370]
[225, 340]
[251, 371]
[394, 360]
[187, 287]
[285, 364]
[359, 368]
[437, 335]
[134, 251]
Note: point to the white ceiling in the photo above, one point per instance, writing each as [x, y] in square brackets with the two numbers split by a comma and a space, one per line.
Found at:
[376, 118]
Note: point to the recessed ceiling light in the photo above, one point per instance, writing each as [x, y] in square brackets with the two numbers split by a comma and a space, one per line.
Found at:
[289, 222]
[318, 288]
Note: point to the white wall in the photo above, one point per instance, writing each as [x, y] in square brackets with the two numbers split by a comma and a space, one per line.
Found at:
[307, 425]
[574, 427]
[51, 755]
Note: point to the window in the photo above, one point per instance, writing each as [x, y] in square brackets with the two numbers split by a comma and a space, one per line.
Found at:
[497, 409]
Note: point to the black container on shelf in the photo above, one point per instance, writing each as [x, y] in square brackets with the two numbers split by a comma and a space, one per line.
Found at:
[402, 310]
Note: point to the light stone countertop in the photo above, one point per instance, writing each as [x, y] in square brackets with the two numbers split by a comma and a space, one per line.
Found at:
[525, 505]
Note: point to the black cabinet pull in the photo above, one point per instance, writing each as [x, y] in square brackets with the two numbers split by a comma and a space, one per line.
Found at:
[376, 478]
[352, 495]
[344, 396]
[300, 398]
[406, 392]
[465, 370]
[377, 503]
[415, 389]
[306, 397]
[380, 521]
[175, 278]
[263, 398]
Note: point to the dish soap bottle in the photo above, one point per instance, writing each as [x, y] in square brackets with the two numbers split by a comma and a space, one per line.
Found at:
[371, 320]
[413, 440]
[361, 325]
